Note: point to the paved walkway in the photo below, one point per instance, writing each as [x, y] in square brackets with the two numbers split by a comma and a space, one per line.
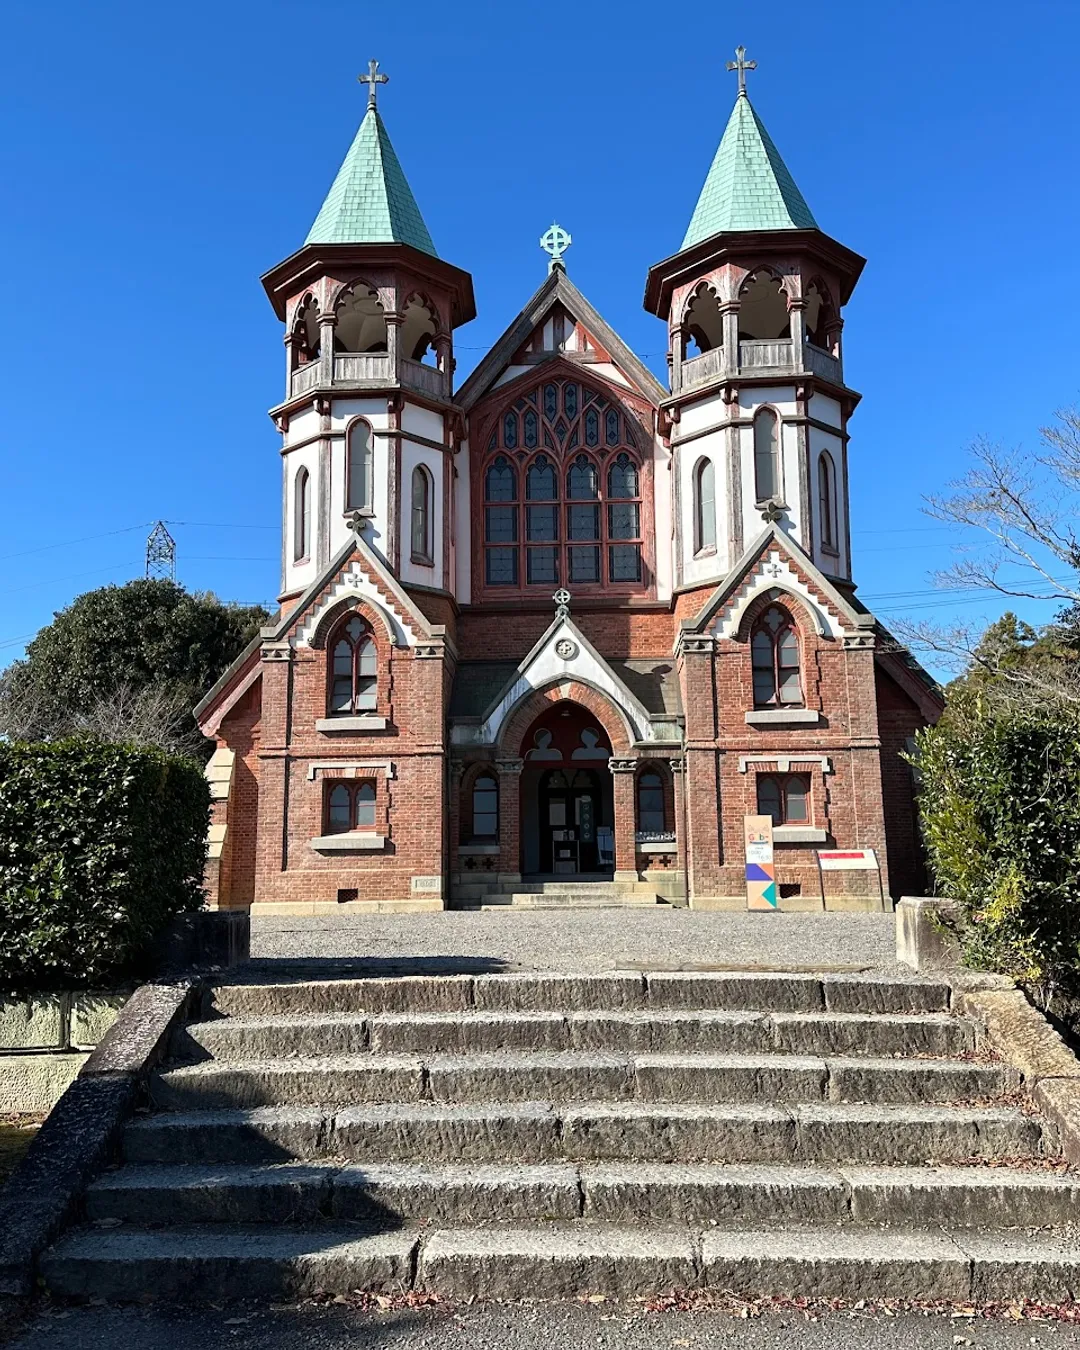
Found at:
[522, 1327]
[602, 939]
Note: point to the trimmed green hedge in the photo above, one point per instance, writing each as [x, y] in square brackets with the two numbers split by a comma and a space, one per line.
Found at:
[100, 846]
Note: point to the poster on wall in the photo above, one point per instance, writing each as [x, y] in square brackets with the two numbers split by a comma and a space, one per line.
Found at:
[761, 892]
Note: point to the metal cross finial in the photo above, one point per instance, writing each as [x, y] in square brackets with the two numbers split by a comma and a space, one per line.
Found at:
[742, 65]
[556, 241]
[373, 79]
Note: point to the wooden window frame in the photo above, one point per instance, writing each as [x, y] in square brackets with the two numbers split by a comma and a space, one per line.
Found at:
[358, 646]
[354, 787]
[703, 546]
[760, 628]
[302, 515]
[783, 783]
[827, 503]
[367, 506]
[485, 775]
[777, 454]
[661, 787]
[425, 555]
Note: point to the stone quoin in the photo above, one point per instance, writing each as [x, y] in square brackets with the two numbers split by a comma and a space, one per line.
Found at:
[564, 625]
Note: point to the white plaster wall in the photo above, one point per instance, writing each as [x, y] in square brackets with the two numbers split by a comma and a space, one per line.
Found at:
[412, 455]
[423, 422]
[714, 566]
[704, 412]
[609, 371]
[302, 424]
[511, 373]
[825, 409]
[463, 525]
[298, 576]
[343, 410]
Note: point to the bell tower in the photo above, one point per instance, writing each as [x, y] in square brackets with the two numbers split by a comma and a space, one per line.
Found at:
[369, 422]
[758, 408]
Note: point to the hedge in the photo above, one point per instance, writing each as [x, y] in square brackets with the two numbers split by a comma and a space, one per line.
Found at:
[100, 846]
[999, 799]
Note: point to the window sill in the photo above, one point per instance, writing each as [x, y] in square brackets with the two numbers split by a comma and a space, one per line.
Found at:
[798, 834]
[301, 562]
[830, 550]
[358, 723]
[364, 512]
[421, 560]
[778, 717]
[709, 551]
[349, 843]
[478, 850]
[657, 846]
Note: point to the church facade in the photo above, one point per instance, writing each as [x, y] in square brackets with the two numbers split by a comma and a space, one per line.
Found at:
[565, 621]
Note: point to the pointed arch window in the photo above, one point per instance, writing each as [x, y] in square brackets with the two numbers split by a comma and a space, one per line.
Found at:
[775, 659]
[485, 808]
[827, 501]
[785, 797]
[350, 806]
[563, 492]
[421, 515]
[704, 506]
[767, 481]
[353, 669]
[359, 469]
[302, 516]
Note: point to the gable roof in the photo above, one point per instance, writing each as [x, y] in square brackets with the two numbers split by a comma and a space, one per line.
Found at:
[558, 289]
[748, 186]
[370, 201]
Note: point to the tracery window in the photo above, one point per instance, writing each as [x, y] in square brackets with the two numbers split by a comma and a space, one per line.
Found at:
[827, 500]
[421, 515]
[353, 669]
[774, 656]
[785, 797]
[704, 505]
[563, 493]
[350, 806]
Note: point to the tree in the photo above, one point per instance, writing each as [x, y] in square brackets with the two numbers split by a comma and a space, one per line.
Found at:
[126, 662]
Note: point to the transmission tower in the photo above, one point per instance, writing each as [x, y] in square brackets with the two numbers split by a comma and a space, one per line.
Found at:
[161, 554]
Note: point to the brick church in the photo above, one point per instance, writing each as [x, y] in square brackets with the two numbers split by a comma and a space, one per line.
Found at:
[564, 625]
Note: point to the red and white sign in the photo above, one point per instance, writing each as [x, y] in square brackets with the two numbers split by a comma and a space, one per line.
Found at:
[848, 860]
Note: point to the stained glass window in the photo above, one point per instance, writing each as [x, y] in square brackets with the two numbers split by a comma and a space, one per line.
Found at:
[611, 427]
[510, 430]
[532, 432]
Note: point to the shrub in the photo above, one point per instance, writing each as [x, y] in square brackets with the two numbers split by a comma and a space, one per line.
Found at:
[1000, 807]
[100, 846]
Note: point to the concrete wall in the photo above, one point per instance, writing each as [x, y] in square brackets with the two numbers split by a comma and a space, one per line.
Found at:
[44, 1041]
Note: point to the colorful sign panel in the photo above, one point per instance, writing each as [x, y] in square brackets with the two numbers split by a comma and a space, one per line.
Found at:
[848, 860]
[761, 892]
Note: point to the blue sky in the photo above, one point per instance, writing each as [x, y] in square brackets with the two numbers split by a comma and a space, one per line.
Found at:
[159, 159]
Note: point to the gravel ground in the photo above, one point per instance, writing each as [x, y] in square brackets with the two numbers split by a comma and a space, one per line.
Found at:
[510, 1327]
[602, 939]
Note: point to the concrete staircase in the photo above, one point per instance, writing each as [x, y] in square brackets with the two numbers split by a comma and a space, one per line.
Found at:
[568, 893]
[528, 1135]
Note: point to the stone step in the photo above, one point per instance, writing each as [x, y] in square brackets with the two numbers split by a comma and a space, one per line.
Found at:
[540, 1131]
[936, 1034]
[583, 899]
[651, 1193]
[736, 991]
[577, 1076]
[561, 1260]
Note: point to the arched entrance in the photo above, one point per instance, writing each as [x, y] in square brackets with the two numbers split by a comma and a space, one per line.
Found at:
[567, 801]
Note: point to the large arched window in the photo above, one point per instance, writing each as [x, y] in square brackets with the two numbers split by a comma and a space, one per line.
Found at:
[651, 810]
[353, 669]
[421, 515]
[563, 493]
[485, 808]
[774, 655]
[359, 468]
[827, 500]
[704, 506]
[302, 516]
[767, 481]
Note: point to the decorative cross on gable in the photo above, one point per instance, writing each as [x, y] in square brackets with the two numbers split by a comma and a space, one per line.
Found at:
[562, 603]
[556, 241]
[373, 79]
[742, 65]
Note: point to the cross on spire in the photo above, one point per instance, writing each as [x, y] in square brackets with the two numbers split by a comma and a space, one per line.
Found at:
[373, 79]
[742, 65]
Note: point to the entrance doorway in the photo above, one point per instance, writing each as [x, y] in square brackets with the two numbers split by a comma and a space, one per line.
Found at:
[567, 799]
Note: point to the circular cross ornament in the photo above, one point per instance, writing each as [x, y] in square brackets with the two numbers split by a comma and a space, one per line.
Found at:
[566, 650]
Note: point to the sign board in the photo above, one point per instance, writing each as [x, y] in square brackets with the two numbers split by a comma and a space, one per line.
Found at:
[761, 892]
[848, 860]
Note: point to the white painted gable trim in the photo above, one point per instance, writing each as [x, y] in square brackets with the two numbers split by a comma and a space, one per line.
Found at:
[774, 572]
[352, 584]
[561, 655]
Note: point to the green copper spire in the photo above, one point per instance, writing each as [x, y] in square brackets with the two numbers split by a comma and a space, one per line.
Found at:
[370, 201]
[748, 186]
